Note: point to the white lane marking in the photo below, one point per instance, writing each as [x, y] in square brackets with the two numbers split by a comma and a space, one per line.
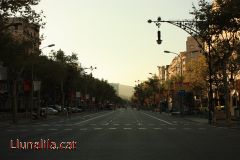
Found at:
[52, 129]
[93, 118]
[157, 118]
[142, 128]
[97, 128]
[67, 129]
[157, 128]
[112, 128]
[89, 115]
[127, 128]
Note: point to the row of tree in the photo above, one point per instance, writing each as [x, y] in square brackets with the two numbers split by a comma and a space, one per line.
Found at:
[61, 75]
[164, 94]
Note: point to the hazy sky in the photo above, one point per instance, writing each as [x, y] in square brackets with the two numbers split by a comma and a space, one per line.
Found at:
[114, 35]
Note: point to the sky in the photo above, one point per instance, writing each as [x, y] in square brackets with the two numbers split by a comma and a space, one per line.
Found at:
[114, 36]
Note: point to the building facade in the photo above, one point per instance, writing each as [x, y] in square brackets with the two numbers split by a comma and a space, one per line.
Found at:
[178, 64]
[24, 32]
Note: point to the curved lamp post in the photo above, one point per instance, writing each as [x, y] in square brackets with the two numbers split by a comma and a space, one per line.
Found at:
[181, 61]
[181, 74]
[191, 27]
[32, 90]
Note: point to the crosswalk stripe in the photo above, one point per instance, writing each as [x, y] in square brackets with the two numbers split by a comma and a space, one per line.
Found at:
[127, 128]
[83, 129]
[52, 129]
[157, 128]
[97, 128]
[67, 129]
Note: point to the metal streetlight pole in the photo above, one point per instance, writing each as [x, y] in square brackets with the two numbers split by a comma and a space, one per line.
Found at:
[32, 89]
[181, 75]
[91, 68]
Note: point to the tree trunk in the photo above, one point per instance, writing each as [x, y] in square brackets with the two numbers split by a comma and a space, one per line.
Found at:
[62, 98]
[226, 92]
[14, 102]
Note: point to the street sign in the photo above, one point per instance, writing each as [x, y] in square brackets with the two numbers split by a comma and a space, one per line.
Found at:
[181, 92]
[36, 85]
[78, 94]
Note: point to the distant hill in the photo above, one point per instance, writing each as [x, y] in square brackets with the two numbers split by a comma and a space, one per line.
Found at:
[123, 91]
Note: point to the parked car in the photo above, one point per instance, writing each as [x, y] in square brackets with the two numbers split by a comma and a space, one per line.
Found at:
[48, 110]
[76, 110]
[56, 107]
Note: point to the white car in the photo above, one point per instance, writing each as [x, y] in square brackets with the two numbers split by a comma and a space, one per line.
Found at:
[50, 111]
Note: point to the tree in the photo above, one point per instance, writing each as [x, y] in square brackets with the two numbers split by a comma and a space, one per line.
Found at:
[219, 25]
[24, 9]
[196, 73]
[14, 53]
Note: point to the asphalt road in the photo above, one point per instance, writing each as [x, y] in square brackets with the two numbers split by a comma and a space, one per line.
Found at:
[121, 135]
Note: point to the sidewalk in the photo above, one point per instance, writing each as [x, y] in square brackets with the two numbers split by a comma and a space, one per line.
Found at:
[234, 124]
[7, 121]
[196, 119]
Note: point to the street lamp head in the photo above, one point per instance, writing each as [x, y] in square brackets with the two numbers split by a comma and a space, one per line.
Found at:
[159, 19]
[48, 46]
[51, 45]
[167, 52]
